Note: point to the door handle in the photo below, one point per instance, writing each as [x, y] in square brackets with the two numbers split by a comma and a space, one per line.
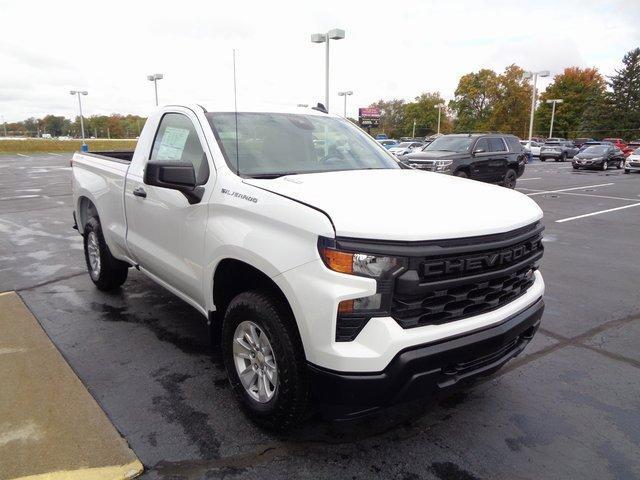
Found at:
[139, 192]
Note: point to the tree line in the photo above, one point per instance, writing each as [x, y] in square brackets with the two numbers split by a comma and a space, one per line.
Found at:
[98, 126]
[593, 105]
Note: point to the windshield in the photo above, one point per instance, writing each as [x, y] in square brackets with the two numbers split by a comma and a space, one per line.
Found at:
[449, 144]
[269, 145]
[596, 149]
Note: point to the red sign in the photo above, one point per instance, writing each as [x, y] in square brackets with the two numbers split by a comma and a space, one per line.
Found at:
[369, 112]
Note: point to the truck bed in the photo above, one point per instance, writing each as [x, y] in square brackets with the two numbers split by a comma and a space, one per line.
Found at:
[124, 156]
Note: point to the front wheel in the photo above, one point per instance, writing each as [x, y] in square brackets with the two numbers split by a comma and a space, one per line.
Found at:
[461, 174]
[605, 165]
[105, 271]
[264, 360]
[510, 178]
[575, 167]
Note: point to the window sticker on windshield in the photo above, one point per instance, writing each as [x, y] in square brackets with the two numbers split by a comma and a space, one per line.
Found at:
[172, 143]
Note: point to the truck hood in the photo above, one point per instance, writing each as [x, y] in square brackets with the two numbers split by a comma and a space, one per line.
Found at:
[407, 205]
[435, 155]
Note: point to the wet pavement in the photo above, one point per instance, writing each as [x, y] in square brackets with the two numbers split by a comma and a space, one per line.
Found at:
[567, 408]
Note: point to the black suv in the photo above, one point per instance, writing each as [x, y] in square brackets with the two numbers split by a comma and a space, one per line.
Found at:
[488, 157]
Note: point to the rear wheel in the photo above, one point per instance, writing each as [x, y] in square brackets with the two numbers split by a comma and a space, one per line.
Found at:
[264, 360]
[105, 271]
[510, 178]
[620, 164]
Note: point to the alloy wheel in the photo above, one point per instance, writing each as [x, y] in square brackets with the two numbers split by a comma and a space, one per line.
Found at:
[93, 251]
[255, 361]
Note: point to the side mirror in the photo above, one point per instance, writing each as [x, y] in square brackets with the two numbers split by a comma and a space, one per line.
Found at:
[175, 176]
[478, 150]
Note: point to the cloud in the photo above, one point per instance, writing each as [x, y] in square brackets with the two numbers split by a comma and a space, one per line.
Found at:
[108, 48]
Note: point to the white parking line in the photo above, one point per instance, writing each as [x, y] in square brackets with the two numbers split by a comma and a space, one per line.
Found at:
[597, 213]
[56, 154]
[532, 178]
[568, 189]
[600, 196]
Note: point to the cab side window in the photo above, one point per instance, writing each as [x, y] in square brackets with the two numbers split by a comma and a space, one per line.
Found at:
[496, 145]
[177, 141]
[483, 145]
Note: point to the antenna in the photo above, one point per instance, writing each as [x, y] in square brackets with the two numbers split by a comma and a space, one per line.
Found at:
[235, 108]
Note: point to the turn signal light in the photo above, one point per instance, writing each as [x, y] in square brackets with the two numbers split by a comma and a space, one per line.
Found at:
[337, 261]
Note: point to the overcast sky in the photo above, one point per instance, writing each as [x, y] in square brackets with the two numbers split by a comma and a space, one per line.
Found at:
[391, 50]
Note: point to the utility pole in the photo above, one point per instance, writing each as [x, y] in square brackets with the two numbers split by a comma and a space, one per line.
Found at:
[334, 34]
[553, 113]
[534, 75]
[440, 106]
[345, 95]
[413, 133]
[84, 147]
[154, 78]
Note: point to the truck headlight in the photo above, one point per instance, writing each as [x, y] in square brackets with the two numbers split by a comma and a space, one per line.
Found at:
[382, 268]
[374, 266]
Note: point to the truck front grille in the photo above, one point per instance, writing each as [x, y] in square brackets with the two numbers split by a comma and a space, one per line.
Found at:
[466, 278]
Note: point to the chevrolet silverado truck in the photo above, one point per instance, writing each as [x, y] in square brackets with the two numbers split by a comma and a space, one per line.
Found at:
[330, 276]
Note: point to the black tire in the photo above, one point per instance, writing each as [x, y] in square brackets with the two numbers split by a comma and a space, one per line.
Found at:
[510, 178]
[290, 402]
[461, 174]
[605, 165]
[620, 164]
[111, 272]
[627, 171]
[562, 158]
[543, 159]
[575, 167]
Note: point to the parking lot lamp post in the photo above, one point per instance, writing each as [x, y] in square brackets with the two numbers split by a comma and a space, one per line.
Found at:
[345, 95]
[553, 101]
[79, 93]
[334, 34]
[440, 106]
[154, 78]
[534, 75]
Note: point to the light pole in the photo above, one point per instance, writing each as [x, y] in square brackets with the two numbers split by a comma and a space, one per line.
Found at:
[534, 75]
[334, 34]
[413, 132]
[79, 93]
[345, 95]
[553, 112]
[154, 78]
[440, 106]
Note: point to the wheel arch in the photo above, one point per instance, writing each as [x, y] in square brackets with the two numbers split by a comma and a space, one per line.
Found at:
[233, 276]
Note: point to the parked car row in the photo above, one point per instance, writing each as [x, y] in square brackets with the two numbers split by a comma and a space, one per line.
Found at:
[493, 158]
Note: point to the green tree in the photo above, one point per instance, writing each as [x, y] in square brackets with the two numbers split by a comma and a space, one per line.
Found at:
[473, 100]
[423, 110]
[581, 91]
[391, 117]
[511, 103]
[625, 94]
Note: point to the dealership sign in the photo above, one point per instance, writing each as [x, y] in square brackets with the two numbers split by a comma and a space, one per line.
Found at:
[369, 117]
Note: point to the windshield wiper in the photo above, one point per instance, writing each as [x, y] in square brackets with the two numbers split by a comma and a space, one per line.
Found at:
[272, 175]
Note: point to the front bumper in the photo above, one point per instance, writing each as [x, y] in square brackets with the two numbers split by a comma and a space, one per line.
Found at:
[424, 370]
[633, 167]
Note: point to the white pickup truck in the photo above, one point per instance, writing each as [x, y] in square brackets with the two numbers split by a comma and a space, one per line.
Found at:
[329, 274]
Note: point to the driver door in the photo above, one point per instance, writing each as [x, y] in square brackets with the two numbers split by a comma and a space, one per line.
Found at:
[165, 232]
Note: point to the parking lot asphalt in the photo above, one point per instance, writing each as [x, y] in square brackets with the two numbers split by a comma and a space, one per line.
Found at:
[569, 407]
